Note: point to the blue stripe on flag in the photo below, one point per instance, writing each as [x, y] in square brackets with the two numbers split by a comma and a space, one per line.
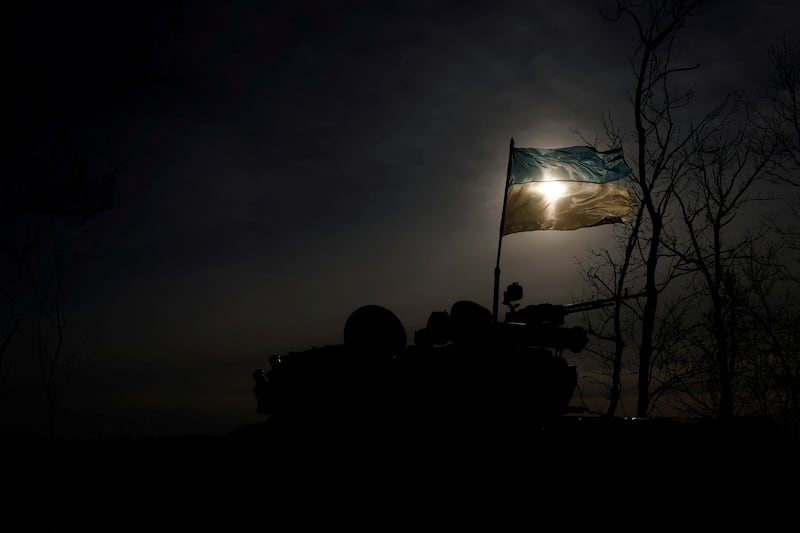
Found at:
[575, 163]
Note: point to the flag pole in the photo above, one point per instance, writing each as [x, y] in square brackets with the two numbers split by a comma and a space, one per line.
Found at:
[500, 239]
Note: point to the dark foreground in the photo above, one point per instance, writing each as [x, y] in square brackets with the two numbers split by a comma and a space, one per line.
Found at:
[483, 476]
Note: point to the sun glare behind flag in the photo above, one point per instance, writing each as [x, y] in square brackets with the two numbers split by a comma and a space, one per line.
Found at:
[565, 189]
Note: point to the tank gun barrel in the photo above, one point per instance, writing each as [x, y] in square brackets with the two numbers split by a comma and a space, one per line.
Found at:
[597, 304]
[553, 314]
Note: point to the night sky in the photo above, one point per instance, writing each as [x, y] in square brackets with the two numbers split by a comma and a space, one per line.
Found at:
[298, 161]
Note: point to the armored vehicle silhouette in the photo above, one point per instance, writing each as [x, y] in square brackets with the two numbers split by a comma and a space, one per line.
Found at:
[463, 369]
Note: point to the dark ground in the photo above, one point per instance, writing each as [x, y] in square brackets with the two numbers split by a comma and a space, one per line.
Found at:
[261, 476]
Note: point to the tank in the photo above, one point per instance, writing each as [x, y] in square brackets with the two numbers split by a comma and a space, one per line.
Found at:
[464, 369]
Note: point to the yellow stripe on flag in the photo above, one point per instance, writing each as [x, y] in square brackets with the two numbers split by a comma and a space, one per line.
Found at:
[566, 205]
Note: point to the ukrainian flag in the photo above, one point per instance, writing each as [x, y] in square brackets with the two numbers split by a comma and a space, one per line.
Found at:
[565, 189]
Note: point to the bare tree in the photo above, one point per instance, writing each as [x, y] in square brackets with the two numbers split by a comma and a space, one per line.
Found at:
[771, 383]
[72, 69]
[719, 347]
[784, 104]
[783, 116]
[609, 276]
[658, 141]
[774, 278]
[725, 168]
